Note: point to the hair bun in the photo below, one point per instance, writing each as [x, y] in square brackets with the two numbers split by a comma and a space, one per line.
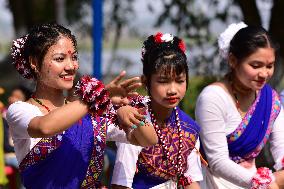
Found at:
[161, 41]
[226, 37]
[19, 61]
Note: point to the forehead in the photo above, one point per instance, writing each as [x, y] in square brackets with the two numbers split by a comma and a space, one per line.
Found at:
[264, 55]
[62, 43]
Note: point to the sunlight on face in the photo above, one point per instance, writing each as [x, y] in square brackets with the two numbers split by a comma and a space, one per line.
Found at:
[256, 70]
[167, 90]
[60, 65]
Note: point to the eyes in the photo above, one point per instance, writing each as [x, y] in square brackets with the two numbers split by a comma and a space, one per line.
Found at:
[257, 65]
[62, 57]
[168, 80]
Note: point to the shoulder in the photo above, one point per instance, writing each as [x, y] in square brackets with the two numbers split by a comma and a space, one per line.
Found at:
[215, 93]
[20, 106]
[188, 122]
[21, 110]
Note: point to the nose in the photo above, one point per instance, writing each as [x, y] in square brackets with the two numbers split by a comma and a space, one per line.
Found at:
[264, 73]
[172, 90]
[71, 65]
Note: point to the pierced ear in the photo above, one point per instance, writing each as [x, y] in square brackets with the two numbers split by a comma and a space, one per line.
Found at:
[33, 63]
[232, 60]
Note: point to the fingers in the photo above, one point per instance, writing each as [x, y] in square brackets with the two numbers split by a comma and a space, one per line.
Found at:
[140, 114]
[133, 94]
[135, 119]
[133, 87]
[118, 100]
[129, 82]
[135, 122]
[119, 77]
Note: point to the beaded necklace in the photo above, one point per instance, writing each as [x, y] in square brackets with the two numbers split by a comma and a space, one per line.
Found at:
[162, 139]
[41, 103]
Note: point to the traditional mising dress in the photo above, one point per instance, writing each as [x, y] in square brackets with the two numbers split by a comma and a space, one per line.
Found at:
[154, 167]
[72, 159]
[232, 143]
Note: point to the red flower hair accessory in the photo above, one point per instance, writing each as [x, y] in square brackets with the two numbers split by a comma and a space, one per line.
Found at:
[19, 61]
[262, 178]
[94, 94]
[158, 37]
[181, 45]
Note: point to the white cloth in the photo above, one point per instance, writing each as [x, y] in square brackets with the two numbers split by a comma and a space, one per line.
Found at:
[218, 116]
[127, 156]
[19, 116]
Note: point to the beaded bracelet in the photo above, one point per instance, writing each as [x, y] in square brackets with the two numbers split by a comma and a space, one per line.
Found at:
[262, 179]
[93, 93]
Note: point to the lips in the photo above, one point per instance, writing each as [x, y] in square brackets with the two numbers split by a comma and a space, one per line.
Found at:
[67, 77]
[260, 82]
[172, 100]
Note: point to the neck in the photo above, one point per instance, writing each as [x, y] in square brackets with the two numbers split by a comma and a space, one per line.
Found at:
[161, 113]
[50, 96]
[238, 87]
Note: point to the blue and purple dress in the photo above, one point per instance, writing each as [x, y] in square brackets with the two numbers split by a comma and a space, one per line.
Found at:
[231, 143]
[153, 167]
[72, 159]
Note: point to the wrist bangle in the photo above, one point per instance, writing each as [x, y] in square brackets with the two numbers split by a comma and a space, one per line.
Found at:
[262, 179]
[92, 92]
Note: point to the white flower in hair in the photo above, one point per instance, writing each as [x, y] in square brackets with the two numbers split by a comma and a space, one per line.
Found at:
[226, 37]
[167, 37]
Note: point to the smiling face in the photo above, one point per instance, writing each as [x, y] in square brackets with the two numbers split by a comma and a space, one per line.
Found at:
[167, 90]
[255, 70]
[59, 65]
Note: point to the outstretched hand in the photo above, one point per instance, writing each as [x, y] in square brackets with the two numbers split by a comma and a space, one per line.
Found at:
[120, 90]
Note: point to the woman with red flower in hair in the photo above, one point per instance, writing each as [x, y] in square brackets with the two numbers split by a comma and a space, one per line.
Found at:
[174, 161]
[60, 144]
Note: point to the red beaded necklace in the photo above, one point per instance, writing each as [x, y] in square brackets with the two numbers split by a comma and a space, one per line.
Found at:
[162, 140]
[41, 103]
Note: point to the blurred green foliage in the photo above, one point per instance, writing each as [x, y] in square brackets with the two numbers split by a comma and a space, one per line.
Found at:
[195, 86]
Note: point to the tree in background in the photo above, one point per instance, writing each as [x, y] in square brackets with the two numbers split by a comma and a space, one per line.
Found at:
[28, 13]
[194, 21]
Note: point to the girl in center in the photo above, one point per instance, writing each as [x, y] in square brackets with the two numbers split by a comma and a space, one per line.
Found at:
[174, 161]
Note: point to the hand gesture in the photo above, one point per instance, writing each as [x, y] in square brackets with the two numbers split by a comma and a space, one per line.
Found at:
[120, 90]
[130, 117]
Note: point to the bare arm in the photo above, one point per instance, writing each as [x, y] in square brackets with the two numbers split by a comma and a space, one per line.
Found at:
[58, 120]
[279, 176]
[194, 185]
[143, 135]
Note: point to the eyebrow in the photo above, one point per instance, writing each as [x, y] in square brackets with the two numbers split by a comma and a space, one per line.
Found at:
[64, 54]
[260, 62]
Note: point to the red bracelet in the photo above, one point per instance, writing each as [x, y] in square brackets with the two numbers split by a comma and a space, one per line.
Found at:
[93, 93]
[262, 178]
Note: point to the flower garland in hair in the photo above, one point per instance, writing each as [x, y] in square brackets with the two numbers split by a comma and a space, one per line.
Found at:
[160, 40]
[262, 178]
[226, 37]
[19, 61]
[94, 94]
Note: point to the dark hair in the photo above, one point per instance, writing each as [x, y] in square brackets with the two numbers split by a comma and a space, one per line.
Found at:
[163, 56]
[248, 40]
[41, 38]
